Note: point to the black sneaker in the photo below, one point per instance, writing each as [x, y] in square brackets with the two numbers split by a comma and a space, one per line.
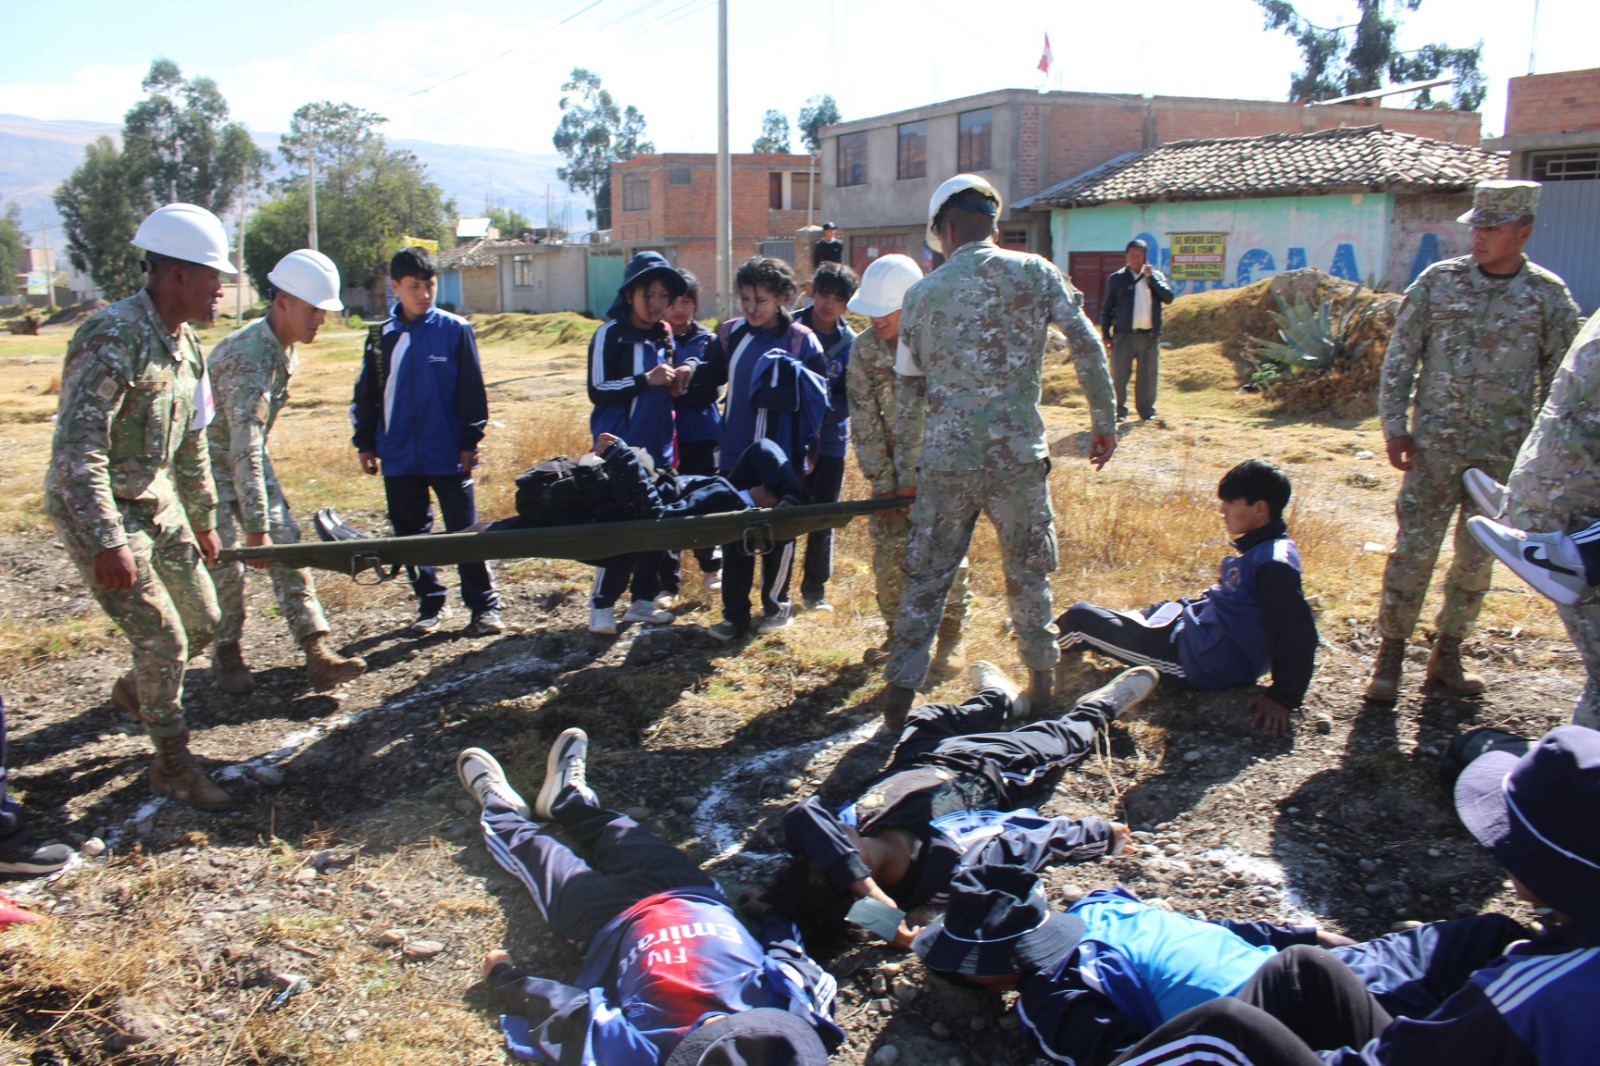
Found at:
[29, 856]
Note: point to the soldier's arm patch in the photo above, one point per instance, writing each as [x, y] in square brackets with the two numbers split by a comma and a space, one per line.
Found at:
[105, 387]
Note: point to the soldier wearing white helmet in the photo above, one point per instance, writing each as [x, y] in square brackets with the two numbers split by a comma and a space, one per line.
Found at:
[970, 355]
[250, 373]
[870, 380]
[129, 486]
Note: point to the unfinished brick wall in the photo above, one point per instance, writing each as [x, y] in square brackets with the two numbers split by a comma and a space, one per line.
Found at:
[1568, 102]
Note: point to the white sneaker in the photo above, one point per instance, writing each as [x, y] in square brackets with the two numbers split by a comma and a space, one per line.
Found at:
[481, 775]
[666, 601]
[986, 675]
[1547, 561]
[712, 582]
[429, 623]
[648, 613]
[567, 764]
[603, 621]
[774, 622]
[1125, 691]
[1486, 492]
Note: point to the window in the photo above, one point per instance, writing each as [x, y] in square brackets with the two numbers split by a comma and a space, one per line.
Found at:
[522, 271]
[635, 192]
[680, 176]
[1566, 166]
[912, 155]
[852, 159]
[972, 140]
[775, 191]
[800, 192]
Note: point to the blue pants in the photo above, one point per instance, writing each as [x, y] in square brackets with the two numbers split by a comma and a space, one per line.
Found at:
[411, 514]
[640, 571]
[699, 457]
[613, 863]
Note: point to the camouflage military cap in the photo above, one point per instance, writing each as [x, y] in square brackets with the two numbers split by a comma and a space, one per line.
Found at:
[1495, 203]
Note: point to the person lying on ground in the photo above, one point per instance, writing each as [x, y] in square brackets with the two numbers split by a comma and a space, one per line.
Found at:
[670, 976]
[1255, 619]
[1529, 1003]
[1092, 980]
[951, 798]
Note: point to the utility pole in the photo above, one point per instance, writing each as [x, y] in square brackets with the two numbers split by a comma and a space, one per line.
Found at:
[724, 173]
[311, 157]
[1533, 42]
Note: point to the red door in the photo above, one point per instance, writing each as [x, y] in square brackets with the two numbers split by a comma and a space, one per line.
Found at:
[1088, 271]
[866, 248]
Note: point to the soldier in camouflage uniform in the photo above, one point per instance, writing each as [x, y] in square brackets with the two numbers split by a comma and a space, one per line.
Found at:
[870, 381]
[1487, 331]
[129, 485]
[1555, 486]
[250, 373]
[972, 344]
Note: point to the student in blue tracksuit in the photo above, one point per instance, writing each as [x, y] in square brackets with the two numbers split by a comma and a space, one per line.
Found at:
[670, 976]
[772, 367]
[951, 798]
[419, 413]
[1254, 620]
[699, 421]
[632, 379]
[831, 290]
[1532, 1004]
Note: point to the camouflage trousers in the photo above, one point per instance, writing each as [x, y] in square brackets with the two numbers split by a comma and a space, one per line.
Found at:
[294, 588]
[169, 615]
[1017, 501]
[889, 532]
[1430, 496]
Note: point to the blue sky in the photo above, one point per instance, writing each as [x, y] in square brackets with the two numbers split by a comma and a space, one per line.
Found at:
[489, 72]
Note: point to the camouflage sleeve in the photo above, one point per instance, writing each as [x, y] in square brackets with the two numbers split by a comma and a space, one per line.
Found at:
[191, 469]
[870, 427]
[1400, 361]
[246, 404]
[910, 403]
[94, 382]
[1560, 329]
[1088, 351]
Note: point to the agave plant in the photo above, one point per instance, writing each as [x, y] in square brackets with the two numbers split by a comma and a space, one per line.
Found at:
[1310, 340]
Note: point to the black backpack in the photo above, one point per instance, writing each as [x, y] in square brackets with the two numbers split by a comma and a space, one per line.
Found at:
[566, 492]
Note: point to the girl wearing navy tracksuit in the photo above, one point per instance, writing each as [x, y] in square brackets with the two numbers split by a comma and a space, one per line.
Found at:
[699, 420]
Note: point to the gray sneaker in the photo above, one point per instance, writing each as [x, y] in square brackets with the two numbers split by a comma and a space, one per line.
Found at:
[986, 675]
[488, 621]
[566, 765]
[28, 856]
[480, 774]
[724, 632]
[774, 622]
[1125, 691]
[428, 624]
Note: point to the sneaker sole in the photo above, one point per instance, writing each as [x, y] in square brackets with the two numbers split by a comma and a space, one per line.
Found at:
[1487, 493]
[544, 803]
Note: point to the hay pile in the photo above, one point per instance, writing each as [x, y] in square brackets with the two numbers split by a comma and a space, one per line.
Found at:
[534, 331]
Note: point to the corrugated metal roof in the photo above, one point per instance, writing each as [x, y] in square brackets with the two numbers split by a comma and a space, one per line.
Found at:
[1349, 159]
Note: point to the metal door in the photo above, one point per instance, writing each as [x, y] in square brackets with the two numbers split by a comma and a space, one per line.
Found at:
[1566, 233]
[1088, 271]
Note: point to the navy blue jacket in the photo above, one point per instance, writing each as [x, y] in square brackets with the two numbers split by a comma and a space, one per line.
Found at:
[1116, 306]
[699, 416]
[624, 402]
[730, 359]
[1254, 619]
[419, 400]
[836, 428]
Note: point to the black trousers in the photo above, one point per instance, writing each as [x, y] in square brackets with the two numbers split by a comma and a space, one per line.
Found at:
[638, 571]
[738, 576]
[411, 514]
[698, 457]
[823, 485]
[1122, 635]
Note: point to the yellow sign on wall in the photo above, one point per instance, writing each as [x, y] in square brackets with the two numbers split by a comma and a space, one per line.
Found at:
[1198, 256]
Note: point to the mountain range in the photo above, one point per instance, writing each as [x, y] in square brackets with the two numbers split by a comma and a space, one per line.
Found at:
[36, 155]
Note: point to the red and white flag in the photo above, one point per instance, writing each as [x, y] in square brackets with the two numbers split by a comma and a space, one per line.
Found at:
[1046, 59]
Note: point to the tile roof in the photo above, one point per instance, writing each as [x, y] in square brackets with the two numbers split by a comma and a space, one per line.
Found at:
[1348, 159]
[479, 253]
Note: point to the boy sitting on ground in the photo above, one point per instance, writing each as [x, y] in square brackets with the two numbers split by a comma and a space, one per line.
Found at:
[1255, 619]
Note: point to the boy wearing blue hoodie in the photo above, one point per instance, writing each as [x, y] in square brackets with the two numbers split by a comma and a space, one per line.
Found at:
[1255, 619]
[419, 413]
[699, 418]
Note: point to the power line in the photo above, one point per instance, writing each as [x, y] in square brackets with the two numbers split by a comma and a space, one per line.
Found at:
[646, 6]
[575, 14]
[667, 18]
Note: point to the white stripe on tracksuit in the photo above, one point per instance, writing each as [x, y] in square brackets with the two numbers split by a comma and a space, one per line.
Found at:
[395, 362]
[1193, 1049]
[501, 852]
[1171, 667]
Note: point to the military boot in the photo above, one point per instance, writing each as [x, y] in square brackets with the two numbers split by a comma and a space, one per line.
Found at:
[1385, 684]
[1444, 666]
[896, 705]
[1041, 690]
[327, 668]
[175, 774]
[948, 660]
[229, 671]
[125, 694]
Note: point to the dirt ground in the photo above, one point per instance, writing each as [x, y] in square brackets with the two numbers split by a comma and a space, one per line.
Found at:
[338, 914]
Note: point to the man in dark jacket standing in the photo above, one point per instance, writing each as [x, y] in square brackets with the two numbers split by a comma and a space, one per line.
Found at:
[1130, 322]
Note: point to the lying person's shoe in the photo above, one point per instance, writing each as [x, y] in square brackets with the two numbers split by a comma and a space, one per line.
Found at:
[567, 764]
[482, 776]
[603, 621]
[986, 675]
[712, 581]
[488, 621]
[1486, 492]
[1125, 691]
[648, 613]
[666, 600]
[1548, 561]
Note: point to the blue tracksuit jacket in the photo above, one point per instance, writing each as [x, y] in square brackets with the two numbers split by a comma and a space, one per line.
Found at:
[730, 359]
[624, 403]
[699, 415]
[836, 430]
[419, 400]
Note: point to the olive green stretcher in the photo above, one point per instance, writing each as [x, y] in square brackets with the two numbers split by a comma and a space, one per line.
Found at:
[754, 530]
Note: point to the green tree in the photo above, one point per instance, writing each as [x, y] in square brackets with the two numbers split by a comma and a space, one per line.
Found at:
[819, 111]
[178, 143]
[368, 196]
[510, 222]
[1362, 56]
[13, 251]
[774, 134]
[101, 205]
[595, 132]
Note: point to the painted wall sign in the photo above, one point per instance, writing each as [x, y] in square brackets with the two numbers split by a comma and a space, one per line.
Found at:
[1198, 256]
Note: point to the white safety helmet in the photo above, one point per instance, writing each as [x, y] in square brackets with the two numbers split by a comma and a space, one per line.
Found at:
[884, 285]
[188, 232]
[959, 183]
[309, 275]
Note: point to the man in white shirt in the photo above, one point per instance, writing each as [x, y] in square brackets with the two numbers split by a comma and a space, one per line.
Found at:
[1130, 322]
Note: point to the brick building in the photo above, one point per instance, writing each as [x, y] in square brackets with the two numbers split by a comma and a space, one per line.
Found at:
[668, 203]
[879, 172]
